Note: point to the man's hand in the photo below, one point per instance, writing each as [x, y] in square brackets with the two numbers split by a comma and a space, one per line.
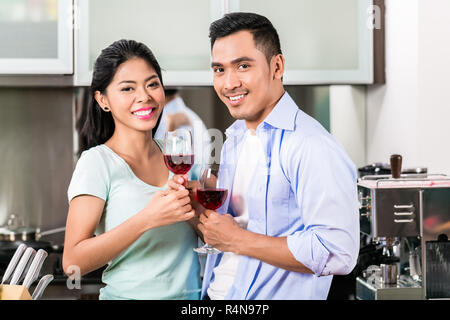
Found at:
[220, 231]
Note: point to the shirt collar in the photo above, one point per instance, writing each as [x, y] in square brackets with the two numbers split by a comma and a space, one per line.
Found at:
[282, 116]
[237, 128]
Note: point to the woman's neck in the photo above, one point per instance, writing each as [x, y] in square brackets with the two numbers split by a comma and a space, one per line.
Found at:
[136, 145]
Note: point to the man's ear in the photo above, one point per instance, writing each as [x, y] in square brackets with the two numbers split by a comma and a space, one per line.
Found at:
[277, 65]
[102, 101]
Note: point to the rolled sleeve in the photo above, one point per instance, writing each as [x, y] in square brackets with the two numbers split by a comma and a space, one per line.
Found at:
[307, 249]
[327, 242]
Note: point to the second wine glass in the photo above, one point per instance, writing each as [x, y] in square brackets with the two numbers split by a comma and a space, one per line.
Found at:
[210, 195]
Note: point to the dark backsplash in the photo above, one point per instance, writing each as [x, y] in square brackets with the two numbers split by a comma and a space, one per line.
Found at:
[36, 155]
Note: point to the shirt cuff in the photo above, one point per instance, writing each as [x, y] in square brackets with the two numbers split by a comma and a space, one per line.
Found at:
[307, 248]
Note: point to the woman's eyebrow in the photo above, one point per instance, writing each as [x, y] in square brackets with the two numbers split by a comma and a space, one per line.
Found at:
[132, 81]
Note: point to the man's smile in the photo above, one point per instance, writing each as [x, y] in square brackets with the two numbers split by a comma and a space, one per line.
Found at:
[236, 99]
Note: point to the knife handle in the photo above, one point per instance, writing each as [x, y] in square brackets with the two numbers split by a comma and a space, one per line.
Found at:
[13, 263]
[35, 268]
[21, 266]
[42, 284]
[27, 266]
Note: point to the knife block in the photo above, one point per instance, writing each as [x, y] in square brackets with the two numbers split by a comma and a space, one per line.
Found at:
[14, 292]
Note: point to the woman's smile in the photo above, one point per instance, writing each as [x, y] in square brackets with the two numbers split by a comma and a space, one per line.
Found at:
[144, 113]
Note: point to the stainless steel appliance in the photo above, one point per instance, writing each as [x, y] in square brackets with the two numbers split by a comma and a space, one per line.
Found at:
[407, 222]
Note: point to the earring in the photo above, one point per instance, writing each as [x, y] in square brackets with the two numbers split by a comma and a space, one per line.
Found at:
[106, 109]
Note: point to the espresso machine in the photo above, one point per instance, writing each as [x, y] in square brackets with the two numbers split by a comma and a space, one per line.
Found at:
[405, 225]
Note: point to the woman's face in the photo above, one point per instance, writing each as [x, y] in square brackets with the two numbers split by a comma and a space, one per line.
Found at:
[135, 96]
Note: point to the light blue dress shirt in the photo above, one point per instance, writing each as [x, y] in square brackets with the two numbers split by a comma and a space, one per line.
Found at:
[307, 192]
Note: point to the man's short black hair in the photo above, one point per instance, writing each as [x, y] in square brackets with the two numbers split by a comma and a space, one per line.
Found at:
[264, 34]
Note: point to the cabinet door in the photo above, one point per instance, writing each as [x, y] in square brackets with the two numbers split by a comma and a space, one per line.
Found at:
[36, 37]
[323, 41]
[176, 31]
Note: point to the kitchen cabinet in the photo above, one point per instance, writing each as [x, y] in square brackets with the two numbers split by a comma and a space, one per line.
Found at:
[323, 41]
[36, 37]
[176, 31]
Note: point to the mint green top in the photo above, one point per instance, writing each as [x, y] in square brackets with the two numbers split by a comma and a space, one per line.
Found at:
[161, 263]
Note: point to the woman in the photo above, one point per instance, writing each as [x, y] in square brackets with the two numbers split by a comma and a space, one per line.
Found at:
[119, 187]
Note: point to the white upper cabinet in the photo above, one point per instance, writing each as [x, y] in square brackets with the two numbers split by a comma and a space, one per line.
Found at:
[176, 31]
[323, 41]
[36, 37]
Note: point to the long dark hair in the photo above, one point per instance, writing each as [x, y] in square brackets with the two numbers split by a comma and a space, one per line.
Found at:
[94, 125]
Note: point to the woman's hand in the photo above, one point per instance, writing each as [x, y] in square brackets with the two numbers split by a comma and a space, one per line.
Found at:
[178, 182]
[168, 207]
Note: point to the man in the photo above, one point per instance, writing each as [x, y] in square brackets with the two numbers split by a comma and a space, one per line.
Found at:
[291, 220]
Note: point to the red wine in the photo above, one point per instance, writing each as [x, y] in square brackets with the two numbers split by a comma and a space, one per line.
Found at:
[179, 164]
[211, 198]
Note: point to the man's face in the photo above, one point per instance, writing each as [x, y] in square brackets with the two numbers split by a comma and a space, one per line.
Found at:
[243, 79]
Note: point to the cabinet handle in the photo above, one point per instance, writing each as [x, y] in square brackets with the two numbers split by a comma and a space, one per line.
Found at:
[403, 206]
[403, 213]
[403, 220]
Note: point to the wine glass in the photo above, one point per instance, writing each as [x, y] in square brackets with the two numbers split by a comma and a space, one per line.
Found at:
[178, 151]
[210, 195]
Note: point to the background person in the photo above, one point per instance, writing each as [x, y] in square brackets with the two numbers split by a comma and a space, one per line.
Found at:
[177, 115]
